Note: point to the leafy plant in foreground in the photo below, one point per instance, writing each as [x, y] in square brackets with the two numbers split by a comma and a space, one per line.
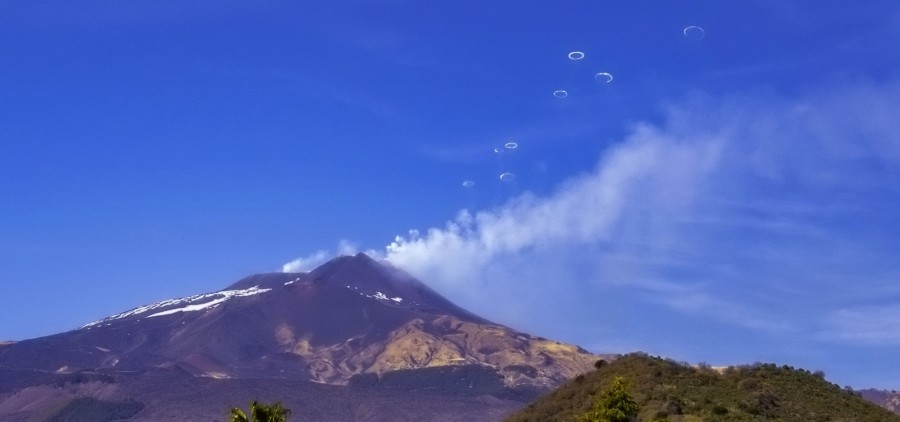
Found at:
[261, 412]
[615, 404]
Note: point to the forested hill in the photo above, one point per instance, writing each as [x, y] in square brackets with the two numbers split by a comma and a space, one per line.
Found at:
[665, 390]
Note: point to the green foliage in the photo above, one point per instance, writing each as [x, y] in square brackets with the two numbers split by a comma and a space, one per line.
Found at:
[665, 390]
[238, 415]
[614, 404]
[261, 412]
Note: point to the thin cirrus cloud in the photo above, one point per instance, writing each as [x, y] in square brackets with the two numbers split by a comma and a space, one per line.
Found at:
[874, 325]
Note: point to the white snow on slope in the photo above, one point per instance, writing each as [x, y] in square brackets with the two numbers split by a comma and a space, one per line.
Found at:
[378, 295]
[189, 302]
[382, 296]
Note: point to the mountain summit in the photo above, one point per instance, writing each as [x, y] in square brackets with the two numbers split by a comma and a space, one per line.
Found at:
[349, 317]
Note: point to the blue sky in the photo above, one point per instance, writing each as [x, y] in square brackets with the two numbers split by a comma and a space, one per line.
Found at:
[727, 199]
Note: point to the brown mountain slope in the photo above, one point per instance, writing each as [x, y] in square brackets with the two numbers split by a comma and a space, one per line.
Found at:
[889, 400]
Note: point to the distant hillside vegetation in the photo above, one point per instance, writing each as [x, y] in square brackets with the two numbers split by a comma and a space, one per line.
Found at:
[670, 391]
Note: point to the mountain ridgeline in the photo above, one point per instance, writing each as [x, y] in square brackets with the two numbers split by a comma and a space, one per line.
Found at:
[352, 322]
[350, 316]
[670, 391]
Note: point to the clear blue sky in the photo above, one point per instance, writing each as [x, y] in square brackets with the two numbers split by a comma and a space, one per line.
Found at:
[728, 199]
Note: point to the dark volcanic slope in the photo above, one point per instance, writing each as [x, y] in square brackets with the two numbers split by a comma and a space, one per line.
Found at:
[366, 277]
[167, 396]
[352, 315]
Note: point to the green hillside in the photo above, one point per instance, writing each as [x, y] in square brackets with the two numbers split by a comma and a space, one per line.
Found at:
[670, 391]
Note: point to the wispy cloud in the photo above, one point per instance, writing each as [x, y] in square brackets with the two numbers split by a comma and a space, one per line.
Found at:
[878, 325]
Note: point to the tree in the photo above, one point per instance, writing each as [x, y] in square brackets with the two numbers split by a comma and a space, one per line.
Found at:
[261, 412]
[614, 404]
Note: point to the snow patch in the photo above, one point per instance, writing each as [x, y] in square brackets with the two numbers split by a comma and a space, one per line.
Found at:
[378, 295]
[382, 296]
[214, 300]
[226, 294]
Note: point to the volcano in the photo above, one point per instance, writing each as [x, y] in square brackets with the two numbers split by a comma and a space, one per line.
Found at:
[353, 326]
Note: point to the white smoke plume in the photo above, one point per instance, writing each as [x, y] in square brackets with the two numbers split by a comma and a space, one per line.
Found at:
[311, 261]
[755, 219]
[729, 198]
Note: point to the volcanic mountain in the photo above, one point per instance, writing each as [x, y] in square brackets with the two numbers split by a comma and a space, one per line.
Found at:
[352, 321]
